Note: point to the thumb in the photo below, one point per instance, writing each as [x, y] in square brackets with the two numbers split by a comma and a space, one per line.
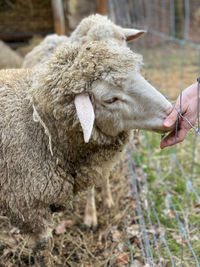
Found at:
[171, 119]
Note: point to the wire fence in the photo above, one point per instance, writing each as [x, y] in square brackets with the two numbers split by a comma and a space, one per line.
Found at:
[166, 184]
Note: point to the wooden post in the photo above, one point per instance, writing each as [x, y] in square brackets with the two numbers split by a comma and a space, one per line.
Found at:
[102, 7]
[59, 17]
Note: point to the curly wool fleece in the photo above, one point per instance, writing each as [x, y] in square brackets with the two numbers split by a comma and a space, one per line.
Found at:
[43, 157]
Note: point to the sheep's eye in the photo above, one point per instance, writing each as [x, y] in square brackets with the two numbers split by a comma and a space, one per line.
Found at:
[111, 100]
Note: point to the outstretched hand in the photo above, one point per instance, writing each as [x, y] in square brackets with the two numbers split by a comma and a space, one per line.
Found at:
[188, 110]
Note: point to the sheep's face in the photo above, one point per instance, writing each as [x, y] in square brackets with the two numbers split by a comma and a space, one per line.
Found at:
[135, 104]
[123, 99]
[107, 74]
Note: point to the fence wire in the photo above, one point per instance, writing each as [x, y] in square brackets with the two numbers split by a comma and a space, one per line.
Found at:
[168, 197]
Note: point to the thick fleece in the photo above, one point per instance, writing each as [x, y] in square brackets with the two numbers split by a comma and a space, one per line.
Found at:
[97, 27]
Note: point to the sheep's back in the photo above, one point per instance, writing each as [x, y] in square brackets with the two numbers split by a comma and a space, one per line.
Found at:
[15, 125]
[29, 176]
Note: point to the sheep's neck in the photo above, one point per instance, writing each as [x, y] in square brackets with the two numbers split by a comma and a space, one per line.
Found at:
[81, 157]
[67, 147]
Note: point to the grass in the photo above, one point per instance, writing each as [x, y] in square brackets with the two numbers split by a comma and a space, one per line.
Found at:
[171, 68]
[170, 180]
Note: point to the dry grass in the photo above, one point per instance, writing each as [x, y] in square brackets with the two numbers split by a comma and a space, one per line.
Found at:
[171, 68]
[72, 244]
[165, 176]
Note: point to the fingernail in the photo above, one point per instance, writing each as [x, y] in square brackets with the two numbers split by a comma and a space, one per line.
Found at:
[167, 123]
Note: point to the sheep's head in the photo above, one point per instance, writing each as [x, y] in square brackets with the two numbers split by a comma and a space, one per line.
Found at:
[102, 80]
[123, 99]
[97, 28]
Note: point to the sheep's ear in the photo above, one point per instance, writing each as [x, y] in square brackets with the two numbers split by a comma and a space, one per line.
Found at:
[132, 34]
[85, 114]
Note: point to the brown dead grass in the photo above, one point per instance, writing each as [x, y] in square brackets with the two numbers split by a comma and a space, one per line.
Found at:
[74, 245]
[171, 68]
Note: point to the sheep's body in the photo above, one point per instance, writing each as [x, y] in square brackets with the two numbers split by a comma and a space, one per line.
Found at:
[30, 179]
[33, 178]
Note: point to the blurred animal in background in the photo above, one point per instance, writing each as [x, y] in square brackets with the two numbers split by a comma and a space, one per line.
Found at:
[41, 53]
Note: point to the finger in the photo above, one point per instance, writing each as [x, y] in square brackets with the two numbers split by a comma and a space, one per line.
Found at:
[165, 142]
[171, 139]
[171, 119]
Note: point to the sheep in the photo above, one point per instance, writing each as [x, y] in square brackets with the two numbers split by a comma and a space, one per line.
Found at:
[41, 52]
[94, 27]
[63, 126]
[98, 27]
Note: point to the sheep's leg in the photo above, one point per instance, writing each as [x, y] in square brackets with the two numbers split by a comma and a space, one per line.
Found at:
[90, 218]
[106, 194]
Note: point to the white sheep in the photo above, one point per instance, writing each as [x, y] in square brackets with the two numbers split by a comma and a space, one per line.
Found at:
[44, 50]
[64, 125]
[92, 28]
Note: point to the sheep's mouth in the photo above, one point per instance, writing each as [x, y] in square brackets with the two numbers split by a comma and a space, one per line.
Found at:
[164, 130]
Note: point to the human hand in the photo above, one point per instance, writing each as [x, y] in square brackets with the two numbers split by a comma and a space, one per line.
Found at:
[188, 110]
